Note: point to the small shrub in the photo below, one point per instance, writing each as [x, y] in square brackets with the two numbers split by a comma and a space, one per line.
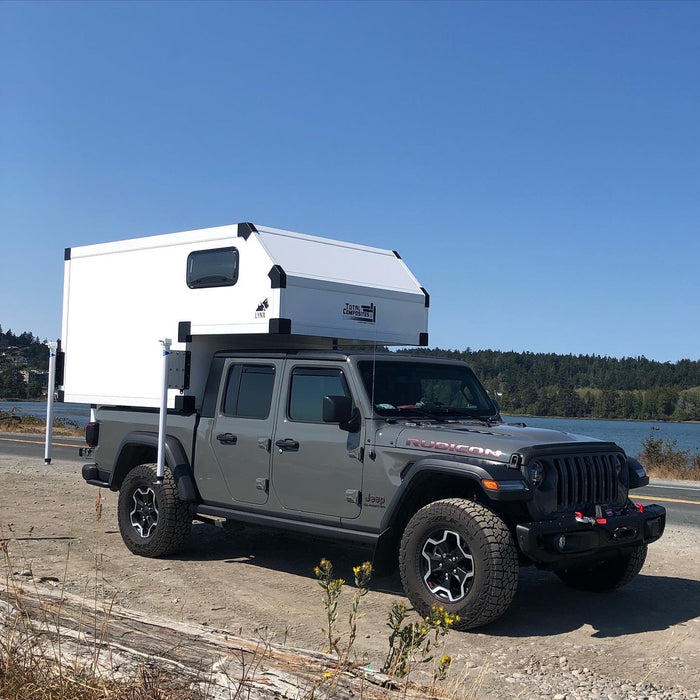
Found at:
[417, 641]
[332, 588]
[662, 459]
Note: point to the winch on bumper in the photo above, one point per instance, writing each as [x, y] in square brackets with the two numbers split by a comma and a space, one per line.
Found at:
[606, 531]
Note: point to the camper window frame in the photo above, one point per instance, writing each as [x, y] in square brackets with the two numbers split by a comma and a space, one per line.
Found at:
[228, 281]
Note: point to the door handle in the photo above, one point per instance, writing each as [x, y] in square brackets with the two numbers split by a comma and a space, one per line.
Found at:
[287, 445]
[227, 438]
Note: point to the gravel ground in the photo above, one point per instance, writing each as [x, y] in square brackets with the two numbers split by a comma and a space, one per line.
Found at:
[640, 642]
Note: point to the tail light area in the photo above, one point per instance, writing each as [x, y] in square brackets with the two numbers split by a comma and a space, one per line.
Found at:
[92, 434]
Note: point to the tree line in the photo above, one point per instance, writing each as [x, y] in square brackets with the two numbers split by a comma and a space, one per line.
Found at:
[523, 383]
[584, 386]
[21, 352]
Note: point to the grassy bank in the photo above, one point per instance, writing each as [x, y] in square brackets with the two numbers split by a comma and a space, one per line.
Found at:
[13, 421]
[663, 460]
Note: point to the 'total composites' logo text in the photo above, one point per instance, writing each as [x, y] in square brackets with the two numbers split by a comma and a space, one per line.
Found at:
[365, 313]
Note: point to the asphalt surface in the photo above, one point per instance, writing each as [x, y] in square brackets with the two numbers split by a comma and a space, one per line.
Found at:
[680, 498]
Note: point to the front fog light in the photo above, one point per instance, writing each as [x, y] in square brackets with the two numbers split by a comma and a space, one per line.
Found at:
[561, 543]
[536, 473]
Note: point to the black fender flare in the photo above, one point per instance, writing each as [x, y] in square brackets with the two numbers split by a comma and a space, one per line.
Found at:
[175, 459]
[474, 470]
[417, 474]
[636, 474]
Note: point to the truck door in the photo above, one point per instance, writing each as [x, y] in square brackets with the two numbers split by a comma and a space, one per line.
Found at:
[243, 427]
[316, 466]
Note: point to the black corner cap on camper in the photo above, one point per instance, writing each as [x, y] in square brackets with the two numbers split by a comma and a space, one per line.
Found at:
[278, 277]
[427, 297]
[245, 229]
[423, 339]
[185, 404]
[396, 254]
[280, 326]
[66, 254]
[184, 332]
[60, 367]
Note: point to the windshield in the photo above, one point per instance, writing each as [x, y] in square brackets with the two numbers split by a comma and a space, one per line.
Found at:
[424, 388]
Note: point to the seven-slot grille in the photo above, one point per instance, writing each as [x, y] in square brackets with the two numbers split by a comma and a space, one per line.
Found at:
[586, 479]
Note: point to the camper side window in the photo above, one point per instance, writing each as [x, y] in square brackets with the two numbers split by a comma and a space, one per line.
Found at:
[308, 387]
[212, 268]
[249, 391]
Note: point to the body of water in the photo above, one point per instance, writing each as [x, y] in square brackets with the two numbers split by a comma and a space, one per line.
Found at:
[627, 434]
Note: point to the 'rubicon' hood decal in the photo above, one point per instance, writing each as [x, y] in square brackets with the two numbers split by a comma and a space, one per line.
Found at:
[496, 442]
[441, 446]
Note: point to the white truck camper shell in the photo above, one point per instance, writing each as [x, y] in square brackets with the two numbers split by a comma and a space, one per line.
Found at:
[236, 287]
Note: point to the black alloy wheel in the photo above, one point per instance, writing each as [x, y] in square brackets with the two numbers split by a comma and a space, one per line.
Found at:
[153, 521]
[459, 555]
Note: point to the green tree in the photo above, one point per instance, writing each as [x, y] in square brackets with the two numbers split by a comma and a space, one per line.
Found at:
[12, 384]
[568, 403]
[608, 404]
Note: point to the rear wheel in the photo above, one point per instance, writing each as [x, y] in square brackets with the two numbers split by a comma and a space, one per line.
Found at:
[458, 554]
[153, 521]
[605, 575]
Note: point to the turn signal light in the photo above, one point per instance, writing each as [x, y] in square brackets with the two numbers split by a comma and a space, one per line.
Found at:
[490, 484]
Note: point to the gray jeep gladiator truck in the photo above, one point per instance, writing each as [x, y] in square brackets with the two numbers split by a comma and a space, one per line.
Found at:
[407, 455]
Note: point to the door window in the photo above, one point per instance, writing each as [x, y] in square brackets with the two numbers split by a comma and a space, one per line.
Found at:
[308, 387]
[249, 391]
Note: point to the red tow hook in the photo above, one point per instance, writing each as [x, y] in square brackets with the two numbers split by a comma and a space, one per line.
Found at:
[639, 507]
[586, 520]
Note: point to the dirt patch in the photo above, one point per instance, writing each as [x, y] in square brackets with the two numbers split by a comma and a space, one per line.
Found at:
[254, 582]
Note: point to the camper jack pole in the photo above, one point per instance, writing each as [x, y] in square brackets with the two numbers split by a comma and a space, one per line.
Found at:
[49, 400]
[160, 464]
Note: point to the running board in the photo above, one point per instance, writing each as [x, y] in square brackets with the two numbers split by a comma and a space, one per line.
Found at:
[317, 529]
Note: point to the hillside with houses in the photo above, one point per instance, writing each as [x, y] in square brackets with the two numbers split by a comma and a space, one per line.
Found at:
[24, 360]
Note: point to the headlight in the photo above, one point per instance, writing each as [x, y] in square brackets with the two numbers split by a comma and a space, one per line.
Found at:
[536, 473]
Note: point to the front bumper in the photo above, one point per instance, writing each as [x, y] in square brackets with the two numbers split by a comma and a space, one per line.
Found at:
[559, 541]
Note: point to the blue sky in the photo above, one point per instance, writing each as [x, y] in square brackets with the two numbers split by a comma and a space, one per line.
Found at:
[537, 165]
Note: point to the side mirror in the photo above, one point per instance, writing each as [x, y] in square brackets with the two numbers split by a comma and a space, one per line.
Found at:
[340, 409]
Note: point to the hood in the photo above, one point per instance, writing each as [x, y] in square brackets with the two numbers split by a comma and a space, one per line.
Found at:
[496, 442]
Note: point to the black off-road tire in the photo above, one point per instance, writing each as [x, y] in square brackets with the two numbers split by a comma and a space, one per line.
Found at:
[603, 576]
[153, 521]
[459, 555]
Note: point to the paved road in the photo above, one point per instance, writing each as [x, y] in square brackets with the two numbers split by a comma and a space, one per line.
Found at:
[681, 499]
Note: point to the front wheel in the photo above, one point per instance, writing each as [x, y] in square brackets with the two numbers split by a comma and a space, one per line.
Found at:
[459, 555]
[153, 521]
[605, 575]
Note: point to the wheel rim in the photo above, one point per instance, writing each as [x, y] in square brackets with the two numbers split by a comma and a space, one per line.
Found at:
[446, 566]
[144, 514]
